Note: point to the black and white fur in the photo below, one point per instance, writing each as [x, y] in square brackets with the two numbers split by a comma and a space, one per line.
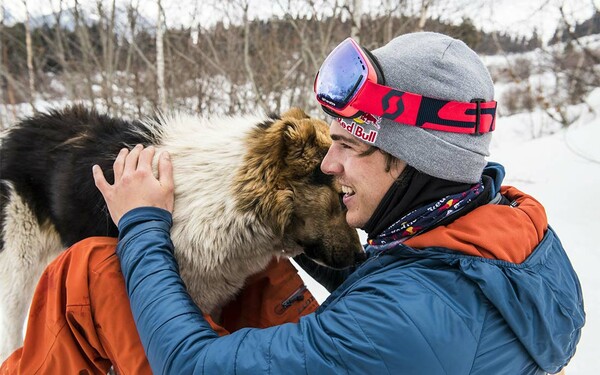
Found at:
[49, 202]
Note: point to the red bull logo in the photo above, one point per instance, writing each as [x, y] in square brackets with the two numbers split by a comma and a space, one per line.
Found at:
[368, 119]
[358, 131]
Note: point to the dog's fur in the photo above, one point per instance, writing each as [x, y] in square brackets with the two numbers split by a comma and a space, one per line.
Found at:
[246, 190]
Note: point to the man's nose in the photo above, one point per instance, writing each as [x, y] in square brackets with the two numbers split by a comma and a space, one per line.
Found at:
[330, 164]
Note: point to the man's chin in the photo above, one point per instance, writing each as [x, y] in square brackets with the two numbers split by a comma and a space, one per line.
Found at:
[354, 221]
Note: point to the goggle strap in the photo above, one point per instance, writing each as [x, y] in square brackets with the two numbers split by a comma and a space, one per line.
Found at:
[475, 117]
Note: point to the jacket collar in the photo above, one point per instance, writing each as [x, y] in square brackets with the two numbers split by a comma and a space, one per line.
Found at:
[508, 232]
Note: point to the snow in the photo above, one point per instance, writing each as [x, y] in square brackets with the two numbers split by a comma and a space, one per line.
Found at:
[562, 171]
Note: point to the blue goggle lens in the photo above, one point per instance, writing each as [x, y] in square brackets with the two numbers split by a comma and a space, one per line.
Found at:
[343, 72]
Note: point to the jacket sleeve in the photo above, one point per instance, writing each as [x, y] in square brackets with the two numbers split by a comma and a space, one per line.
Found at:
[363, 331]
[176, 337]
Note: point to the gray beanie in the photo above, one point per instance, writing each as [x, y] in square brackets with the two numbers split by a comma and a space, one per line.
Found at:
[441, 67]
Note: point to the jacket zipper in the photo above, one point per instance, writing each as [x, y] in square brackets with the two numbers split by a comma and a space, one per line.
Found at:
[298, 295]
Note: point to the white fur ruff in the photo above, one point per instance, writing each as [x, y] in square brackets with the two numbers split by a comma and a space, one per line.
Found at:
[205, 219]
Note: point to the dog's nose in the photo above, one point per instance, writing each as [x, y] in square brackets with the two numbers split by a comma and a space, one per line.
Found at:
[360, 257]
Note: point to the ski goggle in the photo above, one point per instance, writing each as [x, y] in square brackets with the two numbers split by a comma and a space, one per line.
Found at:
[350, 83]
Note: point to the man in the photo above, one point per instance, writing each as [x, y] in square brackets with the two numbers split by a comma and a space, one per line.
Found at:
[463, 276]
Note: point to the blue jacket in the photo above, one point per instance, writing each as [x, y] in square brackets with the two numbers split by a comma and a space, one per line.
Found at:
[404, 311]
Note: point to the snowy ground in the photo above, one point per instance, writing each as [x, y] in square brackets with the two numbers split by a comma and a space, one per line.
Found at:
[563, 172]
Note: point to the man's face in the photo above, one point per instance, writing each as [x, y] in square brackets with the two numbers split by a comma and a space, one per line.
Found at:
[364, 178]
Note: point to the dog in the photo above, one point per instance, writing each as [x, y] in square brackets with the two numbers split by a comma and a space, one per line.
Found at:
[247, 189]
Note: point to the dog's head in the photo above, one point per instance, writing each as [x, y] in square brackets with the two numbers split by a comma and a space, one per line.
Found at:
[284, 183]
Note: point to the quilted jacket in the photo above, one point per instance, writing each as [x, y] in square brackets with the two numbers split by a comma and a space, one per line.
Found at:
[491, 293]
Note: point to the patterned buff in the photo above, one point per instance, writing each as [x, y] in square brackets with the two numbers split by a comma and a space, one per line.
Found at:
[425, 217]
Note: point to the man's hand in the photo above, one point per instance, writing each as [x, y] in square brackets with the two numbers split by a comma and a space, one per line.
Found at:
[135, 184]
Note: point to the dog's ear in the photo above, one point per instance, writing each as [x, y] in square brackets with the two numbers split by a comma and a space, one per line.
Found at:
[297, 132]
[305, 143]
[284, 203]
[294, 112]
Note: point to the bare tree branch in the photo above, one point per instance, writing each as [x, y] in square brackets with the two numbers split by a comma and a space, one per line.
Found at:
[160, 59]
[86, 51]
[356, 12]
[423, 14]
[3, 112]
[32, 93]
[575, 39]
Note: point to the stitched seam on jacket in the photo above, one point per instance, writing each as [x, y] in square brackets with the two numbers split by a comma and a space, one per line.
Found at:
[332, 343]
[479, 341]
[367, 336]
[269, 349]
[434, 292]
[424, 338]
[304, 347]
[63, 325]
[237, 350]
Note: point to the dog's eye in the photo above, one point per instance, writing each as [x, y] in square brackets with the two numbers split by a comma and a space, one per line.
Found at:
[317, 177]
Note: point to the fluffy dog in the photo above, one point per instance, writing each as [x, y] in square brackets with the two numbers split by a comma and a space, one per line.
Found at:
[246, 189]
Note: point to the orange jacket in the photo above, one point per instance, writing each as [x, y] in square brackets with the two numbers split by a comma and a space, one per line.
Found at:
[80, 321]
[471, 234]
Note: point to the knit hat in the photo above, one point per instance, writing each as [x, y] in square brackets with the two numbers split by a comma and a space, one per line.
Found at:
[441, 67]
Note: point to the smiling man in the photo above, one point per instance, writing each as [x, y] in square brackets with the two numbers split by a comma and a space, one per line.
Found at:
[463, 275]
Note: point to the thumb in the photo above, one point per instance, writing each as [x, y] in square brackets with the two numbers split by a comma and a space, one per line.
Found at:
[99, 179]
[165, 170]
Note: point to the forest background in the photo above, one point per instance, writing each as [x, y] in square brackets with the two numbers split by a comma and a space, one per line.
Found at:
[131, 57]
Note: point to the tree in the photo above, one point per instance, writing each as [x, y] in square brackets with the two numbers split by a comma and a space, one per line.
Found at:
[356, 15]
[106, 27]
[423, 14]
[31, 72]
[59, 46]
[3, 112]
[85, 52]
[160, 59]
[467, 32]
